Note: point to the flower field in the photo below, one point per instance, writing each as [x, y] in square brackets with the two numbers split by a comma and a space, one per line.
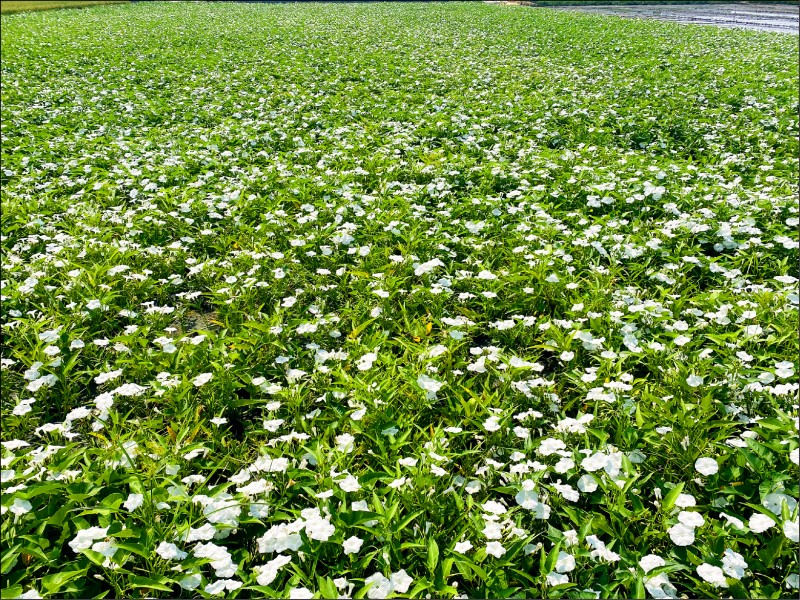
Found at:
[412, 300]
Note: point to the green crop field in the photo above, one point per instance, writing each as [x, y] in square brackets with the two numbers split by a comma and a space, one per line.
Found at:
[15, 6]
[393, 299]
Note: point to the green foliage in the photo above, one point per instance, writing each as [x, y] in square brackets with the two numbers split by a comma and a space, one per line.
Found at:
[388, 298]
[17, 6]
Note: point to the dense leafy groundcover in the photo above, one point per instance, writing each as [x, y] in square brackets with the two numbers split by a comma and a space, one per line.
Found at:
[394, 299]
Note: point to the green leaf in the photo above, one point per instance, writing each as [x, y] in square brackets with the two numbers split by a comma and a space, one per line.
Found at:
[11, 592]
[242, 402]
[352, 519]
[137, 581]
[552, 558]
[768, 553]
[671, 497]
[262, 327]
[357, 330]
[326, 587]
[433, 556]
[407, 520]
[53, 583]
[639, 590]
[9, 559]
[134, 548]
[420, 586]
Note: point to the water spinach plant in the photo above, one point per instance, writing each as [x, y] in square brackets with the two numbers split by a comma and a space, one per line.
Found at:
[397, 300]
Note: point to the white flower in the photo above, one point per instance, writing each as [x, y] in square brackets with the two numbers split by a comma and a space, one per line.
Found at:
[266, 574]
[319, 529]
[493, 530]
[350, 484]
[379, 586]
[650, 562]
[84, 538]
[791, 529]
[202, 379]
[570, 537]
[738, 523]
[694, 381]
[20, 507]
[133, 502]
[221, 585]
[681, 535]
[712, 575]
[587, 483]
[473, 487]
[524, 433]
[78, 413]
[344, 443]
[169, 551]
[493, 507]
[427, 267]
[431, 386]
[565, 562]
[774, 502]
[438, 471]
[492, 423]
[107, 376]
[706, 466]
[551, 446]
[221, 560]
[300, 593]
[462, 547]
[495, 549]
[280, 537]
[395, 484]
[759, 523]
[52, 335]
[528, 499]
[691, 519]
[270, 465]
[401, 581]
[307, 328]
[203, 533]
[129, 389]
[554, 578]
[567, 491]
[352, 545]
[753, 330]
[24, 407]
[365, 362]
[660, 586]
[190, 582]
[793, 581]
[733, 564]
